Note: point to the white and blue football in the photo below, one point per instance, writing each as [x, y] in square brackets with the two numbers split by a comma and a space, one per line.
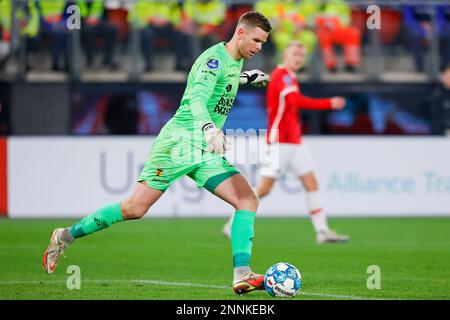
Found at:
[283, 280]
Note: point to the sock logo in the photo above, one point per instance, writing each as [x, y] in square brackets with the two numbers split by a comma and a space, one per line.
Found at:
[101, 224]
[251, 239]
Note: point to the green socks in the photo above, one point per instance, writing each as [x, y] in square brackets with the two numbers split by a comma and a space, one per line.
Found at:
[241, 230]
[99, 220]
[242, 237]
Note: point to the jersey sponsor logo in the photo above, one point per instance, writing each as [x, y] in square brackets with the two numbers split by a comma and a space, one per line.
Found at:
[287, 79]
[224, 111]
[213, 63]
[209, 72]
[224, 105]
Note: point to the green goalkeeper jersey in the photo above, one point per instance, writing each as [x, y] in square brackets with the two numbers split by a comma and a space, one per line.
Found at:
[211, 89]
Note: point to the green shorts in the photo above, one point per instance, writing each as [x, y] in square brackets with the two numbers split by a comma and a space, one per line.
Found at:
[168, 161]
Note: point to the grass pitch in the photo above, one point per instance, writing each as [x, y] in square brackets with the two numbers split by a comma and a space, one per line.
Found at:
[189, 259]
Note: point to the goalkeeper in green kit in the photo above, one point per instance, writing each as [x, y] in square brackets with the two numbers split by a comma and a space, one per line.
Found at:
[192, 143]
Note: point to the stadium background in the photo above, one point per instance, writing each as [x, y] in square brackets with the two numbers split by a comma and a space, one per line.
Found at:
[74, 136]
[390, 101]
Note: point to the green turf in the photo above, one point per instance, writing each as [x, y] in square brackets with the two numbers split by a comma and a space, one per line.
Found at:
[413, 254]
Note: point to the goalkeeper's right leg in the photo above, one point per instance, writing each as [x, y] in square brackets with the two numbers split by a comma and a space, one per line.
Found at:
[135, 207]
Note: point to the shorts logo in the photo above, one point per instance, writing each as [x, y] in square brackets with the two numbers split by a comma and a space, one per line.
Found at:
[213, 63]
[165, 181]
[159, 172]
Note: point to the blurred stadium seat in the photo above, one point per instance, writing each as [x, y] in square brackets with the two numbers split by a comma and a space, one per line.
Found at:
[359, 18]
[118, 17]
[391, 21]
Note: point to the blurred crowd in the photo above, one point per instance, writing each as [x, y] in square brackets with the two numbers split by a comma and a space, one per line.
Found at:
[325, 27]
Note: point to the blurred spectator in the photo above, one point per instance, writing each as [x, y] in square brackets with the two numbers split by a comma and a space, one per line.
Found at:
[268, 9]
[95, 25]
[54, 27]
[159, 23]
[301, 20]
[418, 21]
[27, 17]
[205, 17]
[334, 28]
[288, 19]
[116, 12]
[233, 13]
[5, 20]
[440, 105]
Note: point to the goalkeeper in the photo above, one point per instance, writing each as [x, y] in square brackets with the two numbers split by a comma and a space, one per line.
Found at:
[192, 143]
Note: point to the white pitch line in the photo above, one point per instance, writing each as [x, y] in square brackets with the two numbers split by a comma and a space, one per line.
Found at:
[179, 284]
[229, 287]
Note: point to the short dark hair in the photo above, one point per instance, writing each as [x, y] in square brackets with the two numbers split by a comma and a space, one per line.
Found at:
[255, 19]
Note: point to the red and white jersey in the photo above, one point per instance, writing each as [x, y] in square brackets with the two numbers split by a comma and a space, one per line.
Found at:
[284, 99]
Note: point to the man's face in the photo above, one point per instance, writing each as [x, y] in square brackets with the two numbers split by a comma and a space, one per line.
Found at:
[294, 57]
[251, 40]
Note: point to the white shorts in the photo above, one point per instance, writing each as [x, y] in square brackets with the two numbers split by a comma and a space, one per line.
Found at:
[287, 157]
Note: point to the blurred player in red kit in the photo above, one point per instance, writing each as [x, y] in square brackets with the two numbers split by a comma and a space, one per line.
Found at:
[286, 152]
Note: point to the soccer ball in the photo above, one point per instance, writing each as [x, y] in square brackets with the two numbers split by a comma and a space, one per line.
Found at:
[283, 280]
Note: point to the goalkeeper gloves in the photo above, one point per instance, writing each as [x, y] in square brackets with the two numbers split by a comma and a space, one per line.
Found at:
[215, 140]
[255, 77]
